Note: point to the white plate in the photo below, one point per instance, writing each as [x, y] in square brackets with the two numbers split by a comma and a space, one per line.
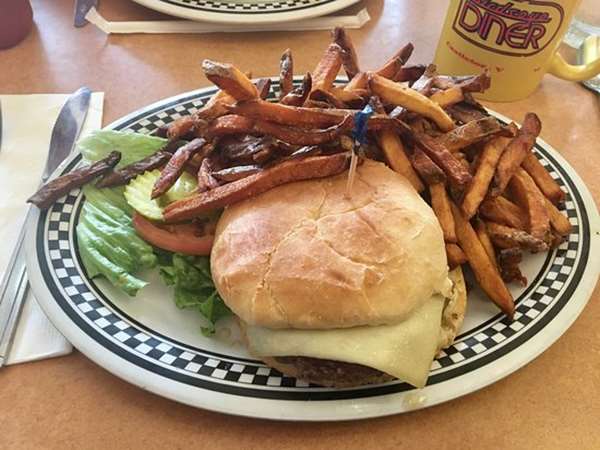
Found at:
[247, 11]
[150, 343]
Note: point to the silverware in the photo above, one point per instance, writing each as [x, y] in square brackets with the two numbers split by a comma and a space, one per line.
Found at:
[14, 285]
[81, 9]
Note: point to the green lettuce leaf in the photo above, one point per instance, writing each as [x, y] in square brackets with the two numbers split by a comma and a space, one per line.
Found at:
[193, 286]
[108, 243]
[133, 146]
[110, 247]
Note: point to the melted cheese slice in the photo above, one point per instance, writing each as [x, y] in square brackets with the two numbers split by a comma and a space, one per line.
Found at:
[404, 350]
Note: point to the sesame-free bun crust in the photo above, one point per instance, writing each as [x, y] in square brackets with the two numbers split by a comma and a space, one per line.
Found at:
[303, 255]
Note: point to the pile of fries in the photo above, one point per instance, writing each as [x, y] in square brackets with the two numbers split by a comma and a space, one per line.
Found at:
[490, 193]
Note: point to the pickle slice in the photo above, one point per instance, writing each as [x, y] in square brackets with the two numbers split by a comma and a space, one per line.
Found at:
[138, 192]
[185, 186]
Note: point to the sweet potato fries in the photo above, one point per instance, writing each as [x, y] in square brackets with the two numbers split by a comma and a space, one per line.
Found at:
[286, 172]
[492, 196]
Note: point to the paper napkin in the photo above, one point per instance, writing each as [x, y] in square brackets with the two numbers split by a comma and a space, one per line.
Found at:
[188, 26]
[27, 122]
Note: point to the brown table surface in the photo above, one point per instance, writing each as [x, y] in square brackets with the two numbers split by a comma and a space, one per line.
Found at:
[69, 402]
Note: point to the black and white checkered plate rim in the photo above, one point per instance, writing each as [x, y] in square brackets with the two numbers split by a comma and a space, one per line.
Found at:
[201, 377]
[250, 12]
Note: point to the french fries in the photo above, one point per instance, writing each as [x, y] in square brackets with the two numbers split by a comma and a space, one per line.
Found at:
[305, 117]
[468, 83]
[447, 97]
[298, 96]
[395, 155]
[478, 188]
[328, 98]
[507, 237]
[181, 127]
[205, 179]
[424, 85]
[263, 86]
[484, 269]
[46, 195]
[440, 203]
[508, 260]
[408, 73]
[455, 256]
[230, 79]
[532, 200]
[392, 68]
[516, 152]
[124, 175]
[176, 165]
[542, 178]
[556, 239]
[285, 114]
[304, 137]
[236, 191]
[349, 57]
[559, 222]
[399, 95]
[457, 174]
[427, 126]
[426, 168]
[286, 74]
[360, 81]
[353, 98]
[236, 124]
[492, 197]
[453, 90]
[230, 124]
[470, 133]
[482, 233]
[328, 67]
[465, 113]
[236, 173]
[501, 210]
[215, 107]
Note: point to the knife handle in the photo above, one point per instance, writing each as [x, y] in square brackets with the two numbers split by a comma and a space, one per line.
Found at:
[13, 291]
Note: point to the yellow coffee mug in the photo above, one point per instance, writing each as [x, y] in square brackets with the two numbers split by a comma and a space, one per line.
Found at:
[516, 40]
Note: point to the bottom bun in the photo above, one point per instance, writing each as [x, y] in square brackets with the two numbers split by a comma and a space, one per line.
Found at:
[329, 373]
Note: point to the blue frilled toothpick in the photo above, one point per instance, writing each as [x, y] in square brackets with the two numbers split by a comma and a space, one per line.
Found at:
[359, 136]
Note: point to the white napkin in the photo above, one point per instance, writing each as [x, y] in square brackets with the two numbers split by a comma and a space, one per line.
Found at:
[27, 122]
[188, 26]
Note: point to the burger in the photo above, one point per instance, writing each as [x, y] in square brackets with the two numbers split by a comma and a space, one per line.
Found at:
[340, 290]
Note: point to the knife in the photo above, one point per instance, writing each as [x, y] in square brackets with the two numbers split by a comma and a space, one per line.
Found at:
[13, 289]
[82, 7]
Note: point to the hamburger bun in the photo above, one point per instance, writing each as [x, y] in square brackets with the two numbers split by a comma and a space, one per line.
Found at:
[303, 255]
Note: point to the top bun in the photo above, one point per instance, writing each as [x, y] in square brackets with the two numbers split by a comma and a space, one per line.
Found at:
[304, 256]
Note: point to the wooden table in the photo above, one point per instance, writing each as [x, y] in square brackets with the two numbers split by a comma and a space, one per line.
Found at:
[69, 402]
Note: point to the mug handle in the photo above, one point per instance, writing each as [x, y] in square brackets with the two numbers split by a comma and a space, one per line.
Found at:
[560, 68]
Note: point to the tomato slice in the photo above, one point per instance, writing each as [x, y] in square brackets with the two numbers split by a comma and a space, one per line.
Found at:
[177, 238]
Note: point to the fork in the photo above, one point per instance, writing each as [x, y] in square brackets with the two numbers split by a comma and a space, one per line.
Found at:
[10, 312]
